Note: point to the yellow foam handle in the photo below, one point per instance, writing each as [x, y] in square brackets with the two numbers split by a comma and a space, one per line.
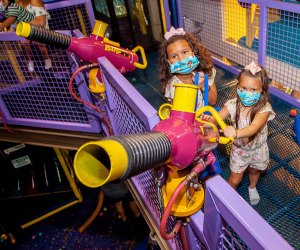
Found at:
[214, 127]
[144, 63]
[221, 140]
[219, 120]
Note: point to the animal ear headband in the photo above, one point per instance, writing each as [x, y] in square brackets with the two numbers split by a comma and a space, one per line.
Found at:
[174, 32]
[253, 68]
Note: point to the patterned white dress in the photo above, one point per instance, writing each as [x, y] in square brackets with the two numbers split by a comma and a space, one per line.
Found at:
[254, 153]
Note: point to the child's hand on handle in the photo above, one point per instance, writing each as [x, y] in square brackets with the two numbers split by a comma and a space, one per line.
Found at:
[216, 118]
[230, 131]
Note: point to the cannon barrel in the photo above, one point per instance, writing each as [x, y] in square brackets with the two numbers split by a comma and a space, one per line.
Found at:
[89, 48]
[120, 157]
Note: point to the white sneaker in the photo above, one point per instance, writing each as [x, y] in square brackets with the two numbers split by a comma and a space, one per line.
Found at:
[30, 66]
[48, 63]
[253, 196]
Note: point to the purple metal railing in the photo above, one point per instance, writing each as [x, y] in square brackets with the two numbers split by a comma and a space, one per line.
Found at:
[79, 12]
[224, 207]
[41, 98]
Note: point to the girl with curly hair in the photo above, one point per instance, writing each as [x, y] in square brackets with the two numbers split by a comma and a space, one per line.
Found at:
[183, 59]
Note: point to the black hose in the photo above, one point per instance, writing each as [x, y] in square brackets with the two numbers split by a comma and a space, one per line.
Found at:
[145, 151]
[50, 37]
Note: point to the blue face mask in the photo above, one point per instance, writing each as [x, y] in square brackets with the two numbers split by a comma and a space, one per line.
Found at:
[185, 66]
[248, 98]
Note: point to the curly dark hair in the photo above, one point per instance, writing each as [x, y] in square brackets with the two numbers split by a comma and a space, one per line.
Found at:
[262, 76]
[206, 63]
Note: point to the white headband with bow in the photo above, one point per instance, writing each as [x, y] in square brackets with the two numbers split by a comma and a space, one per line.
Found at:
[174, 32]
[253, 68]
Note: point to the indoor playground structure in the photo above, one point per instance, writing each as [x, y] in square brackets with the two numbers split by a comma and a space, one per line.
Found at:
[104, 100]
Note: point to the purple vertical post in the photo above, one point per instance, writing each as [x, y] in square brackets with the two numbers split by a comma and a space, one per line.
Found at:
[167, 14]
[263, 25]
[90, 12]
[109, 105]
[190, 237]
[179, 11]
[212, 228]
[196, 223]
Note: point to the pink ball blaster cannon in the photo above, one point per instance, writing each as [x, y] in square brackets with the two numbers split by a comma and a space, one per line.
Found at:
[181, 141]
[88, 49]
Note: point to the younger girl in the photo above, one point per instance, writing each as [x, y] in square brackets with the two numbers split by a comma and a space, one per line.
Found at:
[183, 59]
[249, 111]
